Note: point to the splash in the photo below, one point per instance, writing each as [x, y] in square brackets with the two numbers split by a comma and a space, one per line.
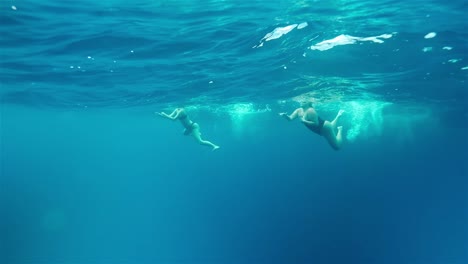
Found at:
[361, 118]
[239, 111]
[365, 117]
[242, 113]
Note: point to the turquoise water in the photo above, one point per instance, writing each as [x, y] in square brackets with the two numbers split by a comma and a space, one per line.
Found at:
[89, 174]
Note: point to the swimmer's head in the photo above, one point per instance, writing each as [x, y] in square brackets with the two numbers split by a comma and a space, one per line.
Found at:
[307, 103]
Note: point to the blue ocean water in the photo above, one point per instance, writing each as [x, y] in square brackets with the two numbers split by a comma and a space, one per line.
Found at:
[89, 174]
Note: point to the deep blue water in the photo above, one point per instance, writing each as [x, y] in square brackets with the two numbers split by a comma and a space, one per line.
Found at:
[89, 174]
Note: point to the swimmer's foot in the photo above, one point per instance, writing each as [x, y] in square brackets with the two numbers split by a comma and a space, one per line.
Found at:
[340, 113]
[215, 148]
[335, 121]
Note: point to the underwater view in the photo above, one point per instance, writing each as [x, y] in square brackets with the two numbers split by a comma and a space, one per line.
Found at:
[231, 132]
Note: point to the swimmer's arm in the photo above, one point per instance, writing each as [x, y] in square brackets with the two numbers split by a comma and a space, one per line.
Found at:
[293, 116]
[166, 115]
[173, 116]
[308, 122]
[175, 113]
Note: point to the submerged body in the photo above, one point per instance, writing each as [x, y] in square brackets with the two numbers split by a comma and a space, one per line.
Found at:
[328, 129]
[191, 128]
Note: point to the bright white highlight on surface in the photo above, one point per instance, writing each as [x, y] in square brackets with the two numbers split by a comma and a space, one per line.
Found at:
[427, 49]
[447, 48]
[302, 25]
[454, 60]
[430, 35]
[347, 40]
[465, 68]
[279, 32]
[13, 7]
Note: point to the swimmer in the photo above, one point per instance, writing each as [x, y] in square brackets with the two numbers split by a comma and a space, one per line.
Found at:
[322, 127]
[191, 128]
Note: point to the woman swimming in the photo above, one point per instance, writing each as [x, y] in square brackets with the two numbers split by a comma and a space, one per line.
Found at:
[322, 127]
[191, 128]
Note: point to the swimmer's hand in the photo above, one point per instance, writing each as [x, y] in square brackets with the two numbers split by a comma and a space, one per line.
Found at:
[165, 115]
[285, 115]
[307, 122]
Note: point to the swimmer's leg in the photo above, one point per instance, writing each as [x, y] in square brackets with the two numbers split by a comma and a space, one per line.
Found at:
[173, 116]
[334, 122]
[339, 137]
[197, 135]
[174, 113]
[334, 140]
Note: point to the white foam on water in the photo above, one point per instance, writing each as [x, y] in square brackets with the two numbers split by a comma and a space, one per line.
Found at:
[427, 49]
[279, 32]
[430, 35]
[447, 48]
[347, 40]
[302, 25]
